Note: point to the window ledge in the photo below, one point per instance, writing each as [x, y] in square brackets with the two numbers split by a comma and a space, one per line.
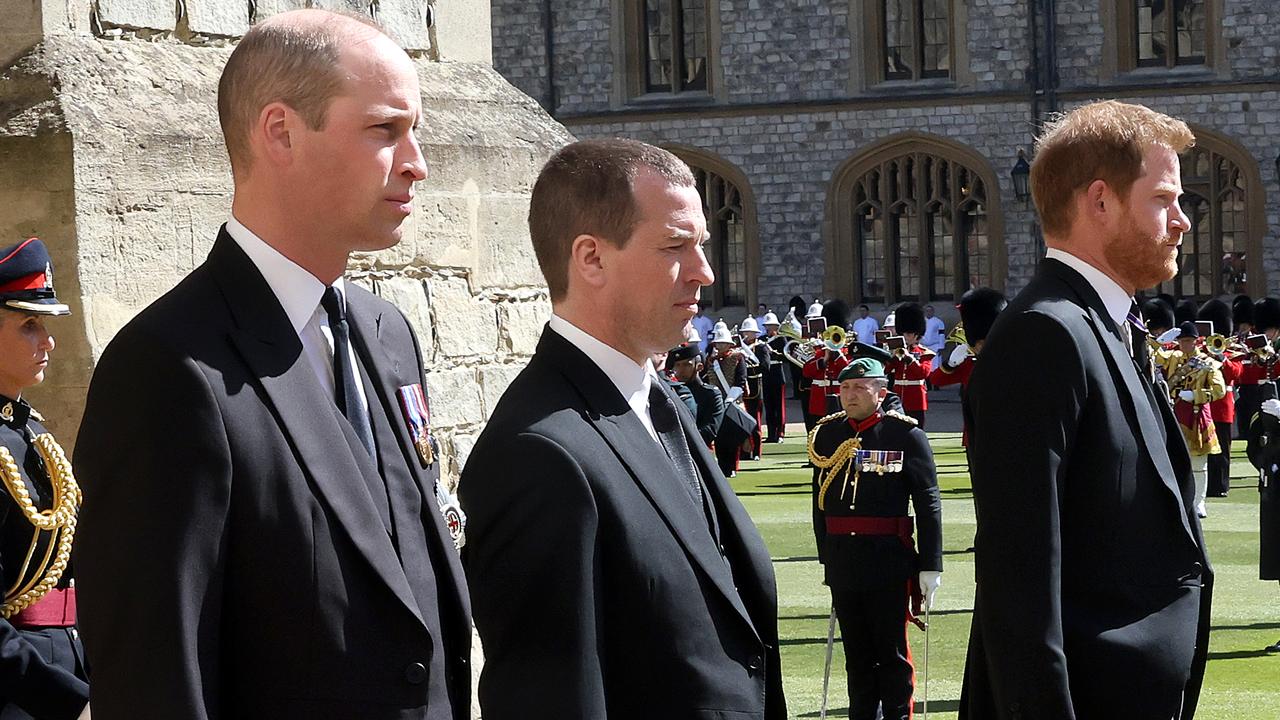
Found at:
[927, 85]
[686, 99]
[1179, 73]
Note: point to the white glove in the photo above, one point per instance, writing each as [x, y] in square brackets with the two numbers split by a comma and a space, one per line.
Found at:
[1168, 336]
[1186, 395]
[958, 355]
[1271, 407]
[929, 582]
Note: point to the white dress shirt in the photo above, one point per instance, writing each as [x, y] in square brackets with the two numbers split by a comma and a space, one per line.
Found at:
[1114, 298]
[632, 380]
[299, 294]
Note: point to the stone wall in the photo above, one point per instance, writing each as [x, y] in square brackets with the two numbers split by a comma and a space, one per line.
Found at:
[110, 151]
[792, 107]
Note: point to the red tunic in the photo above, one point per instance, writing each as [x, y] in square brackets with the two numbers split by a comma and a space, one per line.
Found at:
[1224, 410]
[824, 380]
[1255, 373]
[943, 375]
[909, 378]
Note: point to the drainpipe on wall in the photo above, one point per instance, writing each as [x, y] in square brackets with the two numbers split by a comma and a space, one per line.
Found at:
[549, 40]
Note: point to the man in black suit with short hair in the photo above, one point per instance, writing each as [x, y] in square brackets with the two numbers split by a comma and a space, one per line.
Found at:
[261, 536]
[1093, 585]
[613, 571]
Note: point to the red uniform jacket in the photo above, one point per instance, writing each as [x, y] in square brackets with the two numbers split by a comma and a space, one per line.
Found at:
[824, 379]
[1255, 373]
[1224, 410]
[909, 378]
[943, 375]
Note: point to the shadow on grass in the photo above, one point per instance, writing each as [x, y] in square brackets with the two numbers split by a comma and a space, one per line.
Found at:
[966, 551]
[796, 558]
[1254, 626]
[1238, 654]
[934, 706]
[815, 616]
[750, 493]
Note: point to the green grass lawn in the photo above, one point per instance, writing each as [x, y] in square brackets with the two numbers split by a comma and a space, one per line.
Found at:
[1242, 681]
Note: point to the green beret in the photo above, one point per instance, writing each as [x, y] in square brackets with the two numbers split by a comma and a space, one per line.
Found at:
[863, 367]
[857, 350]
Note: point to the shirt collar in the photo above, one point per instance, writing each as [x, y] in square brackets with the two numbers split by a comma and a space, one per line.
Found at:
[630, 378]
[297, 290]
[866, 423]
[14, 413]
[1114, 298]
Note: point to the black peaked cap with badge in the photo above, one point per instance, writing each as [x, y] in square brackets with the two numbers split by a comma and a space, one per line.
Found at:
[26, 279]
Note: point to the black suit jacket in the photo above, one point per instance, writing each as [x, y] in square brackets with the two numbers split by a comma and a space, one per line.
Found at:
[231, 563]
[597, 587]
[1090, 558]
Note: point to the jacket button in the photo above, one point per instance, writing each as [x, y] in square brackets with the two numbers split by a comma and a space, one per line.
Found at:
[755, 663]
[415, 673]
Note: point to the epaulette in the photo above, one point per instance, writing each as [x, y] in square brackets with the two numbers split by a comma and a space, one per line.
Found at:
[901, 417]
[831, 418]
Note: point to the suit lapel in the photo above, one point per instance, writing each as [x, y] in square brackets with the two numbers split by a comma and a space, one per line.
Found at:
[274, 353]
[385, 373]
[644, 460]
[1123, 367]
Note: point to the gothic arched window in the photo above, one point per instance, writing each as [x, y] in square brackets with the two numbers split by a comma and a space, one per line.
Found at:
[919, 227]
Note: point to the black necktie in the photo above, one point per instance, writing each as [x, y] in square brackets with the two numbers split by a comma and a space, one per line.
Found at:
[667, 424]
[346, 384]
[1138, 331]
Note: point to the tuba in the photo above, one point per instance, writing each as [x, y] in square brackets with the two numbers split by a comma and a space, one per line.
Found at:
[797, 352]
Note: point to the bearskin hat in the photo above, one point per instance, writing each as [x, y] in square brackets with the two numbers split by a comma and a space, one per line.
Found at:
[1242, 310]
[978, 310]
[836, 312]
[1158, 315]
[909, 318]
[1266, 314]
[1185, 311]
[1217, 312]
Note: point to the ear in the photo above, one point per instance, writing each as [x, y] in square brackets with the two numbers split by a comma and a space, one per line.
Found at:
[273, 133]
[1098, 202]
[586, 259]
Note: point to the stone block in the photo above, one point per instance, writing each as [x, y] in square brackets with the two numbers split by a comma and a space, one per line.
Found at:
[149, 14]
[521, 323]
[455, 397]
[466, 326]
[494, 380]
[506, 257]
[410, 296]
[406, 22]
[221, 18]
[267, 8]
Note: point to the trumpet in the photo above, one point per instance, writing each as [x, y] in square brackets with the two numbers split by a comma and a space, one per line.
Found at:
[1223, 346]
[834, 338]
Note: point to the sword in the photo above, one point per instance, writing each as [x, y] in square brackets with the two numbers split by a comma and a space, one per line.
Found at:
[925, 704]
[826, 674]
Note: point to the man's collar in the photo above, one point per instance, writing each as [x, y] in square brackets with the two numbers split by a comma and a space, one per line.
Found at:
[297, 290]
[625, 373]
[1114, 298]
[866, 423]
[14, 413]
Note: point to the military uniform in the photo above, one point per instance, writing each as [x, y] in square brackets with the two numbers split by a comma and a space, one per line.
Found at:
[42, 666]
[824, 389]
[775, 388]
[1264, 452]
[909, 377]
[754, 398]
[865, 473]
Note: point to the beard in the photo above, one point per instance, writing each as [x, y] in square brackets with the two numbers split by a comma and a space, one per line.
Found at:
[1142, 259]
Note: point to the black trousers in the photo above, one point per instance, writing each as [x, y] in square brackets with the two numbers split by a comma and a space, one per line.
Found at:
[877, 659]
[1220, 465]
[775, 409]
[753, 407]
[727, 457]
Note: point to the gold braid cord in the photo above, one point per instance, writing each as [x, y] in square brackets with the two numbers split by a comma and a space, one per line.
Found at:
[830, 465]
[60, 520]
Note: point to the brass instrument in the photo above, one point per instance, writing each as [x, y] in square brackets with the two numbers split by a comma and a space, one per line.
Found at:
[956, 336]
[834, 338]
[798, 353]
[788, 330]
[1225, 347]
